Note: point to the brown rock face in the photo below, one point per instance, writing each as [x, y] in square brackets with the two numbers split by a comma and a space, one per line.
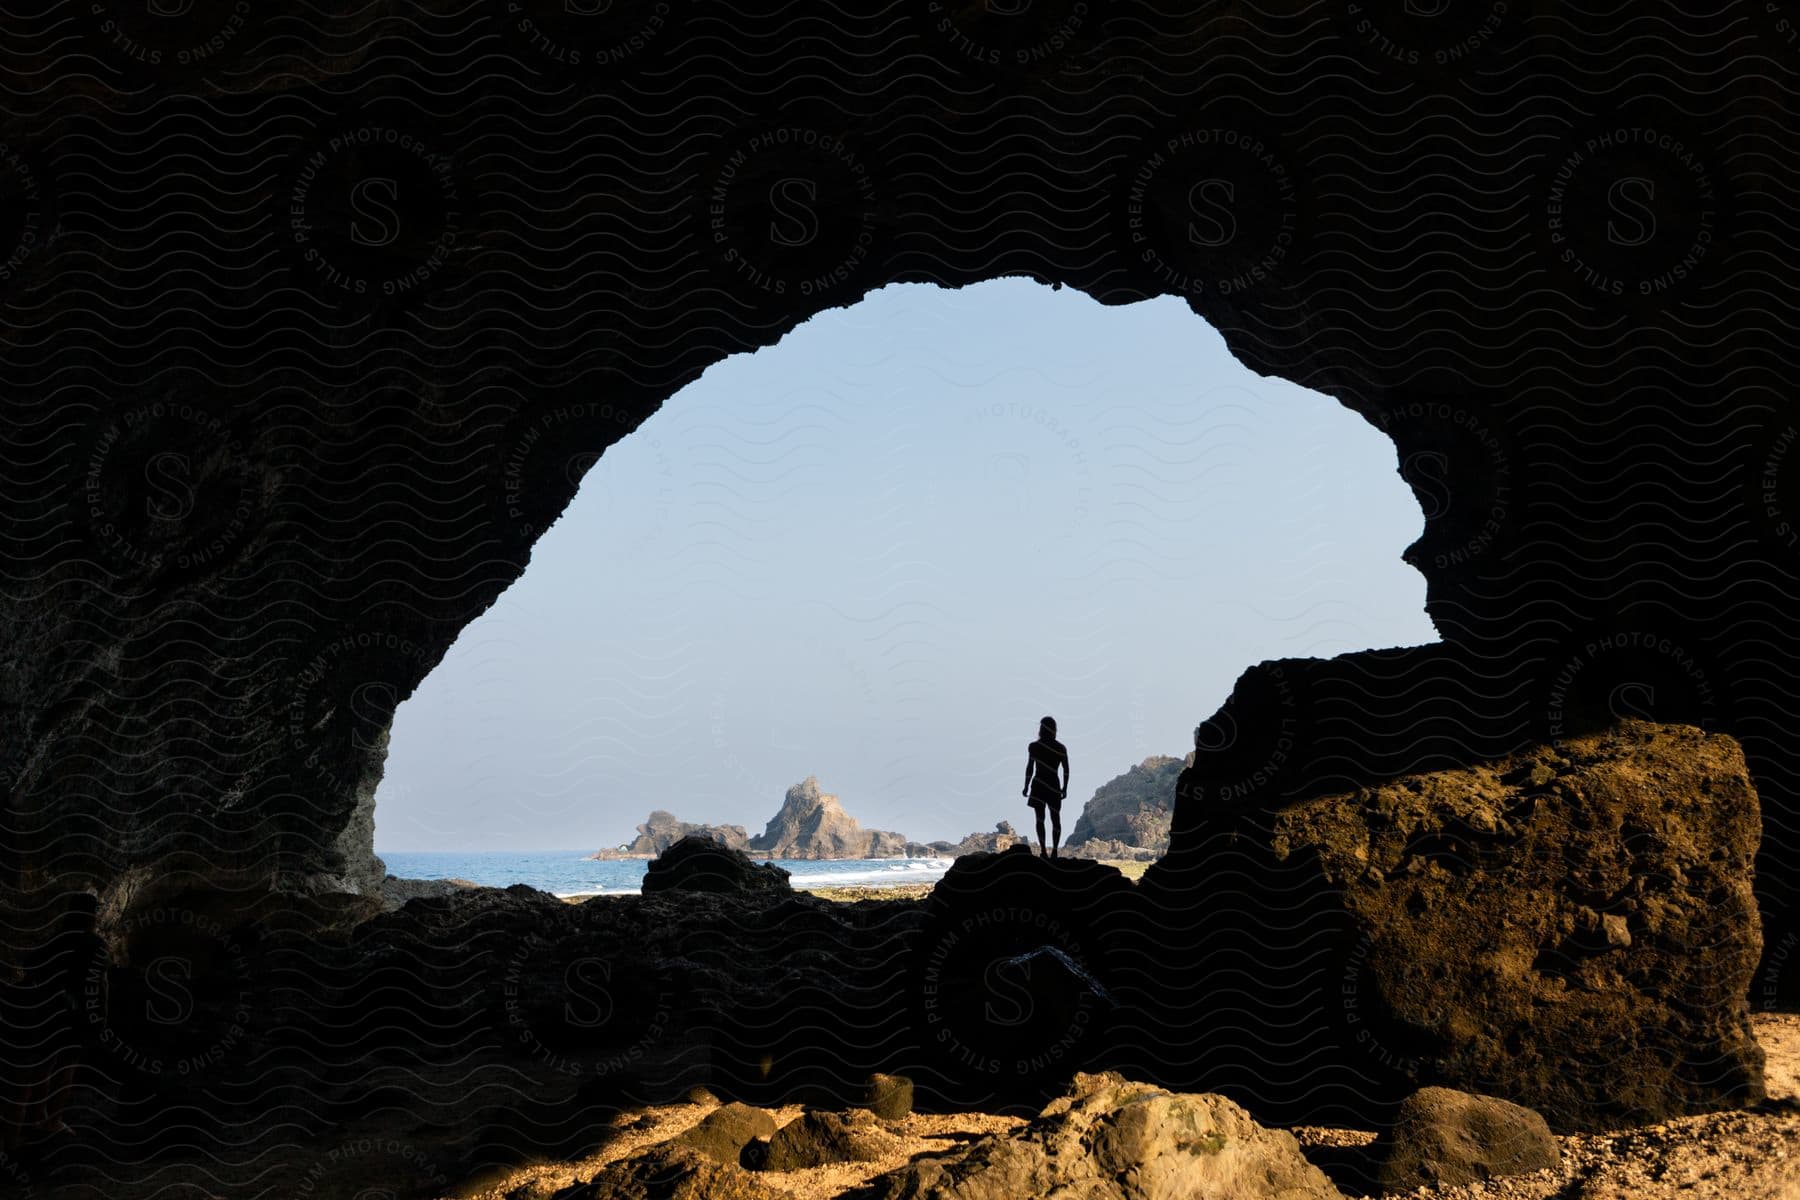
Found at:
[1445, 1138]
[1112, 1139]
[672, 1173]
[812, 824]
[723, 1133]
[889, 1097]
[1131, 812]
[1571, 928]
[818, 1138]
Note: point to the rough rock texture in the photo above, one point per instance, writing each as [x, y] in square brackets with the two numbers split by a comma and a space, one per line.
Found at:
[697, 863]
[254, 481]
[812, 824]
[396, 891]
[723, 1133]
[1442, 1137]
[671, 1173]
[889, 1097]
[1113, 1139]
[1571, 928]
[820, 1137]
[1132, 811]
[663, 829]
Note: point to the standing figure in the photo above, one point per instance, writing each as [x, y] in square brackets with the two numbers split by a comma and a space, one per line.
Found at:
[1042, 788]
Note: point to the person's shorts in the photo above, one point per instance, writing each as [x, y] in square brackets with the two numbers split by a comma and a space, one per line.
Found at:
[1053, 803]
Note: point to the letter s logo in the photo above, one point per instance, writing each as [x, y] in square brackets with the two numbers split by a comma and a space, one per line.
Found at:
[1210, 201]
[170, 1000]
[1004, 985]
[576, 466]
[801, 226]
[371, 706]
[373, 200]
[1216, 733]
[171, 487]
[1632, 699]
[1428, 471]
[590, 1000]
[1630, 198]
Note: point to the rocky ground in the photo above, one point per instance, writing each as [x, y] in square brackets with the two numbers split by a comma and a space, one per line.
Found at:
[1716, 1156]
[920, 1133]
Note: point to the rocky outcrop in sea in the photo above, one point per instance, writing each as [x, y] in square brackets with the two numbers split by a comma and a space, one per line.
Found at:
[1004, 837]
[663, 829]
[811, 824]
[1128, 816]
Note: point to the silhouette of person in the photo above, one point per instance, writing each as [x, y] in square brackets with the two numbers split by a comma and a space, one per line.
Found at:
[1042, 789]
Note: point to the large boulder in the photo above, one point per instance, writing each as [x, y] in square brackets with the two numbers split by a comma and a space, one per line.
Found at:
[1442, 1137]
[889, 1097]
[1570, 927]
[1131, 810]
[723, 1133]
[697, 863]
[1018, 976]
[820, 1137]
[1112, 1139]
[672, 1173]
[811, 824]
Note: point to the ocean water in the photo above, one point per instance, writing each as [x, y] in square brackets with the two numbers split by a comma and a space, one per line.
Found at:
[568, 873]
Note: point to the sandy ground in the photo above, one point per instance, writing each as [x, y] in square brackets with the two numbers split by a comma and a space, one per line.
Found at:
[919, 1133]
[1719, 1156]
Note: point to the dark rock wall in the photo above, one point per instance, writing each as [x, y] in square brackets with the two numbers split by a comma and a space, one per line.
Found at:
[314, 319]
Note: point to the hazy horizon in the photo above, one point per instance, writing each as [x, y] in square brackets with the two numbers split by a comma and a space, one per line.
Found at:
[878, 551]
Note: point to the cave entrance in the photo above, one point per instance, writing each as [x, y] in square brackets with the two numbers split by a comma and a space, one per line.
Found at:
[874, 554]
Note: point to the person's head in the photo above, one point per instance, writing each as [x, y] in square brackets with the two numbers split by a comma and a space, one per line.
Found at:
[1047, 728]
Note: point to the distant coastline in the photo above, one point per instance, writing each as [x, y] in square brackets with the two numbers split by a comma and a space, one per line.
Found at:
[1127, 820]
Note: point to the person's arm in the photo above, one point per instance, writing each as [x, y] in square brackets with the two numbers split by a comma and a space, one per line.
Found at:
[1029, 763]
[1065, 774]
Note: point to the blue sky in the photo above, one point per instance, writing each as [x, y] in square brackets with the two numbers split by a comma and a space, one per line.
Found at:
[878, 551]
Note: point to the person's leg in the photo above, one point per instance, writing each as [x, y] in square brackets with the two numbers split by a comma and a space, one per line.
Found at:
[1055, 830]
[1040, 827]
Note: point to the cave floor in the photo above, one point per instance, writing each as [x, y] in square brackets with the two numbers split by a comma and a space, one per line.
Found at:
[1715, 1156]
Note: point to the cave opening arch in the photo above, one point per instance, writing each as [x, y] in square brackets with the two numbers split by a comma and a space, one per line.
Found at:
[944, 480]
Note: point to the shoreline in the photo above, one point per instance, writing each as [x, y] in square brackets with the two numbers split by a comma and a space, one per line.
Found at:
[849, 893]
